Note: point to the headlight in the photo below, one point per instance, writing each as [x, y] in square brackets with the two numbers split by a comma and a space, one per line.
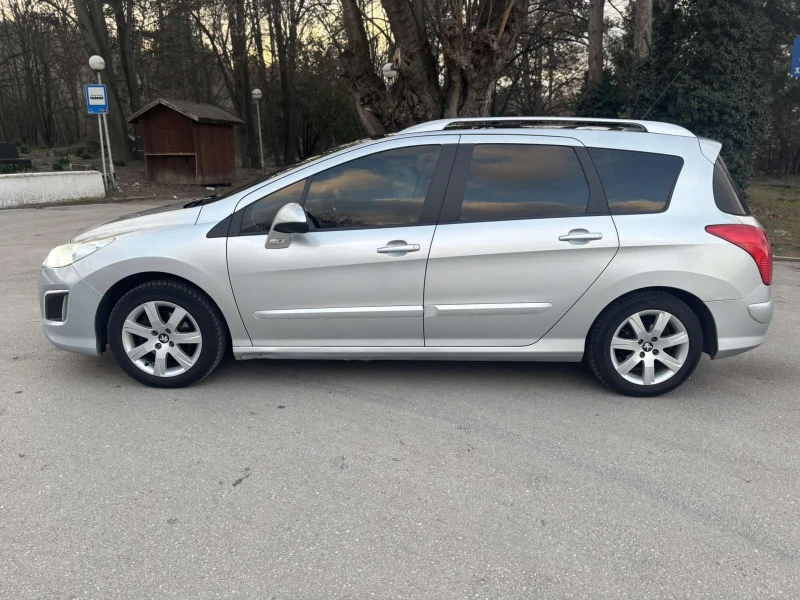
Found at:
[62, 256]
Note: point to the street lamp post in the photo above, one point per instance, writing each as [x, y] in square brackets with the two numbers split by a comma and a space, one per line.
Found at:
[256, 97]
[97, 64]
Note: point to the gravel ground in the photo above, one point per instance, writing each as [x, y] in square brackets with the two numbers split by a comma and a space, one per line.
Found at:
[294, 480]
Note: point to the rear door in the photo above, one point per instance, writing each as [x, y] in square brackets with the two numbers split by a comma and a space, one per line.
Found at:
[524, 231]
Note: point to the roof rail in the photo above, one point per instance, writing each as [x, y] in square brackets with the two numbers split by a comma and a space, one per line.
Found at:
[550, 123]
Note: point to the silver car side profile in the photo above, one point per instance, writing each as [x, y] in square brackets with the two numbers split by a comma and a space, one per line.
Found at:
[621, 243]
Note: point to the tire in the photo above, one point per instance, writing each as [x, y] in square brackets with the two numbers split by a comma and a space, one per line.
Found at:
[637, 344]
[185, 348]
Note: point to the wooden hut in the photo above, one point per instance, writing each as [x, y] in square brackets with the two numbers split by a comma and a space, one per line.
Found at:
[186, 142]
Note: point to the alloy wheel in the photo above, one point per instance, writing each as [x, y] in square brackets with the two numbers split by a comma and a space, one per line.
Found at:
[162, 339]
[649, 347]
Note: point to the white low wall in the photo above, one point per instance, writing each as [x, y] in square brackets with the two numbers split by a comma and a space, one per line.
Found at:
[23, 189]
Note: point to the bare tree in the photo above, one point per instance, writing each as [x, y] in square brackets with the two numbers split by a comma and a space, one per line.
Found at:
[285, 19]
[473, 41]
[642, 28]
[596, 43]
[92, 23]
[241, 77]
[123, 17]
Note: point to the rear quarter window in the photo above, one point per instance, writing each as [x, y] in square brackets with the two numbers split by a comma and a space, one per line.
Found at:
[726, 195]
[636, 182]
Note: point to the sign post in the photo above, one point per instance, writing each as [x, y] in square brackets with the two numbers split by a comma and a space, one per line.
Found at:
[796, 58]
[97, 64]
[97, 104]
[104, 116]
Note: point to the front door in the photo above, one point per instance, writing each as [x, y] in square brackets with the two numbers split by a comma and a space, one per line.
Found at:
[524, 232]
[357, 277]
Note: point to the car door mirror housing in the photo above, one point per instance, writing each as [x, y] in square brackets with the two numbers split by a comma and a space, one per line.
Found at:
[291, 218]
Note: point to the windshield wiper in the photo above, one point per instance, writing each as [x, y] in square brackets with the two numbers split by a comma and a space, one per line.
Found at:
[201, 201]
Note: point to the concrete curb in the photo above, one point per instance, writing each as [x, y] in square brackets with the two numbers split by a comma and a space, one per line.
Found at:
[87, 201]
[60, 203]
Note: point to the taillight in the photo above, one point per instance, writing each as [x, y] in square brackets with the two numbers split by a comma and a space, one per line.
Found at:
[752, 240]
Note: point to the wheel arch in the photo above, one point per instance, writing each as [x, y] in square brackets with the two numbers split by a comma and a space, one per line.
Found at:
[710, 344]
[123, 286]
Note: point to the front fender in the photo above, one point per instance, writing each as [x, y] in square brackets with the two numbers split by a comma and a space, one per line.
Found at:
[184, 252]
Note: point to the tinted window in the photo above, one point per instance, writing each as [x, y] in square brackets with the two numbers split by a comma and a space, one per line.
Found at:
[636, 182]
[725, 194]
[387, 188]
[515, 181]
[288, 168]
[258, 216]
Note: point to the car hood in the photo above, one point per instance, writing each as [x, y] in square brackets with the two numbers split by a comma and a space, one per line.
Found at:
[172, 215]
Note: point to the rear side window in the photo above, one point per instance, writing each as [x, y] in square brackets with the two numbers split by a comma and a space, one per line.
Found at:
[517, 181]
[636, 182]
[726, 196]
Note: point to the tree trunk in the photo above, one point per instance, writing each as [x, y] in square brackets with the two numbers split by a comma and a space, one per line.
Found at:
[474, 52]
[784, 158]
[596, 43]
[414, 61]
[286, 67]
[123, 16]
[95, 33]
[268, 118]
[642, 28]
[365, 84]
[241, 76]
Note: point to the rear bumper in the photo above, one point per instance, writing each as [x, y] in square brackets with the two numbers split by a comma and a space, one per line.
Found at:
[742, 324]
[76, 332]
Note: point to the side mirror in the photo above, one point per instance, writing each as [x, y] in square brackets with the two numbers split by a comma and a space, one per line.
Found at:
[291, 218]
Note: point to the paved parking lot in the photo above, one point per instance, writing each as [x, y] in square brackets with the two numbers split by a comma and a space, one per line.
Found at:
[317, 480]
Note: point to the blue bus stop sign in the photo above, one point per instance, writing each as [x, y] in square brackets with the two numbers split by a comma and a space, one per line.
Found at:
[96, 99]
[796, 59]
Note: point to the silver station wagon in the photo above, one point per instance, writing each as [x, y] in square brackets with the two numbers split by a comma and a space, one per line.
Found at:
[620, 243]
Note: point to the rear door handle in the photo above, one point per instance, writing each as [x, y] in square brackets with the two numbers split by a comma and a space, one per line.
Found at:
[580, 236]
[397, 248]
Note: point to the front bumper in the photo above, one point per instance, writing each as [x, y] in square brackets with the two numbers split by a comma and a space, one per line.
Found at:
[76, 333]
[742, 324]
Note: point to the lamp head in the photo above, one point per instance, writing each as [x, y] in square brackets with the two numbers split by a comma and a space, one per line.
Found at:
[97, 63]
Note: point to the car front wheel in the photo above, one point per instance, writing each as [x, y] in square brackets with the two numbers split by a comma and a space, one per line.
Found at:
[166, 333]
[645, 344]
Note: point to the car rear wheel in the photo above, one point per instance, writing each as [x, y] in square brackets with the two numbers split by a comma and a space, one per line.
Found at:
[166, 333]
[645, 344]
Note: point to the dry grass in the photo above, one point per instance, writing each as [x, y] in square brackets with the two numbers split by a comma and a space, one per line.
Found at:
[776, 204]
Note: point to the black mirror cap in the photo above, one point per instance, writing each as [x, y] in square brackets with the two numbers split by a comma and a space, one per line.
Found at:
[292, 227]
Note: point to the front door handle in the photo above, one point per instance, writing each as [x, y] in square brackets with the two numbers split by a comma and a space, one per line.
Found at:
[580, 236]
[398, 248]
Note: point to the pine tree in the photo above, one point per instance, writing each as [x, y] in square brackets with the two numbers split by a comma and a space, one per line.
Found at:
[710, 71]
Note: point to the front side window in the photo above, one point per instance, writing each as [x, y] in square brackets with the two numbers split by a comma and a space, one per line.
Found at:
[257, 217]
[384, 189]
[636, 182]
[517, 181]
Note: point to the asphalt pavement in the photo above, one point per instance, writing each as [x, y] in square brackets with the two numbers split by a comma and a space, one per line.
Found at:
[418, 480]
